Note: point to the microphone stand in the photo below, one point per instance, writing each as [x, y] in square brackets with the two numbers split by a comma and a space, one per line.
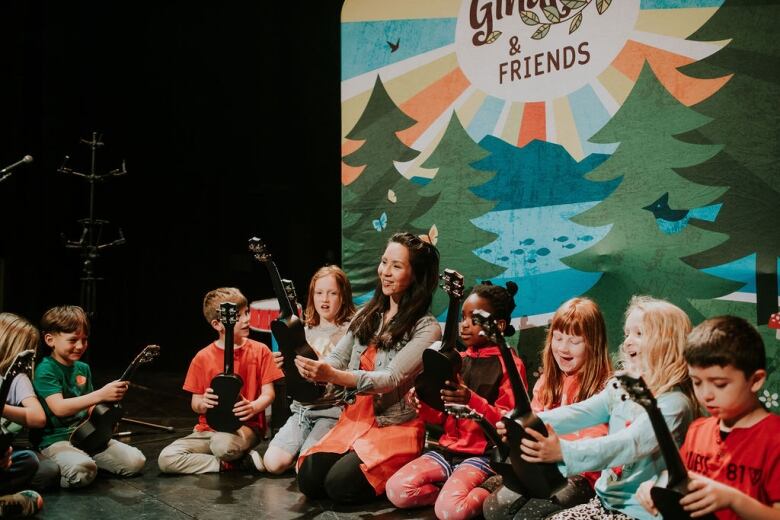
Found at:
[91, 228]
[90, 246]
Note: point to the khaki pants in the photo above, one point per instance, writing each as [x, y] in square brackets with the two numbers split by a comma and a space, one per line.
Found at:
[77, 469]
[201, 452]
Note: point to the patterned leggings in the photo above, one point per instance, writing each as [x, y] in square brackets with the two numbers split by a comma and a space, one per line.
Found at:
[431, 479]
[592, 510]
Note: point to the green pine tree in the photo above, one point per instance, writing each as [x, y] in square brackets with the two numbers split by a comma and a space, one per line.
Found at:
[452, 206]
[746, 120]
[380, 201]
[636, 256]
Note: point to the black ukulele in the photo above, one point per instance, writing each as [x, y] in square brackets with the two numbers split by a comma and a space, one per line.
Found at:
[443, 364]
[92, 435]
[22, 364]
[666, 499]
[289, 332]
[498, 454]
[535, 480]
[226, 385]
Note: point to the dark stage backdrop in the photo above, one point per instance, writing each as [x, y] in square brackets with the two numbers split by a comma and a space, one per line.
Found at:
[200, 99]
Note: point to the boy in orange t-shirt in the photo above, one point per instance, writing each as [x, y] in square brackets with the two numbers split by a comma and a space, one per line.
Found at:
[206, 450]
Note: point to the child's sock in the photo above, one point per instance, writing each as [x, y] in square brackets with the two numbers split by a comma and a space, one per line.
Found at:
[23, 503]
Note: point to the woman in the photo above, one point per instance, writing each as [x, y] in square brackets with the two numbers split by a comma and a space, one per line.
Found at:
[378, 359]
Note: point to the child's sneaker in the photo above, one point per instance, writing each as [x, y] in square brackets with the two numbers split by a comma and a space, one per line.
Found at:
[23, 503]
[251, 462]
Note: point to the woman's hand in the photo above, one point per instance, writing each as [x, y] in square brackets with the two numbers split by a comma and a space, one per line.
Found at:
[455, 393]
[314, 370]
[540, 448]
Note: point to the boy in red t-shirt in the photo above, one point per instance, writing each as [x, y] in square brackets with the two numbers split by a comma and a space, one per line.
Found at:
[733, 456]
[206, 450]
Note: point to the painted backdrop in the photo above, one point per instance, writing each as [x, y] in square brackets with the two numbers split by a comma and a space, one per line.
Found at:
[577, 147]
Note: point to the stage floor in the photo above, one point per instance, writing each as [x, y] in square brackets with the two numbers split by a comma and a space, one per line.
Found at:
[158, 398]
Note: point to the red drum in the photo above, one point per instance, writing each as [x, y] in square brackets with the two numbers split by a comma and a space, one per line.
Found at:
[263, 312]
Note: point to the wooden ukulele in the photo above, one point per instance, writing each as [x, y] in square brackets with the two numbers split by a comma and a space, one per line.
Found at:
[93, 434]
[289, 332]
[666, 499]
[22, 364]
[536, 480]
[226, 385]
[443, 364]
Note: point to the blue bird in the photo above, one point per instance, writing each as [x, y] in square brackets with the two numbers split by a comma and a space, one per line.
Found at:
[671, 221]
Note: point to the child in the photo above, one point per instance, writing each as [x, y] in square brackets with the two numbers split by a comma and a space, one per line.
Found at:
[450, 476]
[22, 503]
[208, 451]
[19, 467]
[328, 310]
[655, 332]
[735, 453]
[575, 366]
[64, 385]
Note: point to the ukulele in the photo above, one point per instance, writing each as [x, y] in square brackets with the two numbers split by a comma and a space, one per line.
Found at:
[498, 454]
[445, 363]
[666, 499]
[536, 480]
[93, 434]
[226, 385]
[289, 332]
[22, 364]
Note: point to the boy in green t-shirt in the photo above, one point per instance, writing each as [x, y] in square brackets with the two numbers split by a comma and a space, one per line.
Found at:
[64, 385]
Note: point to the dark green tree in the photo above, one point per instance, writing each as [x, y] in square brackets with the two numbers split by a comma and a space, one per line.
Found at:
[746, 120]
[637, 256]
[380, 201]
[452, 205]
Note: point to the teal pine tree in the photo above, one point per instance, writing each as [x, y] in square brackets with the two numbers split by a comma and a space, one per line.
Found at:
[380, 201]
[637, 256]
[451, 206]
[746, 120]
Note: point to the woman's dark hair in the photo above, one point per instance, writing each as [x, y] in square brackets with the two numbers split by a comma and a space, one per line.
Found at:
[502, 301]
[414, 303]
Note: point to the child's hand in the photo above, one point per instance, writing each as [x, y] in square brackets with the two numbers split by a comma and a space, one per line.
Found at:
[644, 498]
[278, 359]
[114, 391]
[313, 369]
[210, 399]
[540, 448]
[455, 393]
[5, 460]
[706, 496]
[501, 430]
[414, 400]
[244, 409]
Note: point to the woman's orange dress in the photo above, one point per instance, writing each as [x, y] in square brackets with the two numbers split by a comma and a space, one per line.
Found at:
[383, 450]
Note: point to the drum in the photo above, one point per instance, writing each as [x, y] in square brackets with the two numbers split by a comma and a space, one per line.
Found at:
[263, 312]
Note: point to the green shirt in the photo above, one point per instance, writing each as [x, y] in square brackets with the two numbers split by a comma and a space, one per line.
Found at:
[52, 377]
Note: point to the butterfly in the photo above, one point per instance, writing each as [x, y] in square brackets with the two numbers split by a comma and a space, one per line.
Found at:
[380, 223]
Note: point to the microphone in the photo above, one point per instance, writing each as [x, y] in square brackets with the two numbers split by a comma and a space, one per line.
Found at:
[24, 160]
